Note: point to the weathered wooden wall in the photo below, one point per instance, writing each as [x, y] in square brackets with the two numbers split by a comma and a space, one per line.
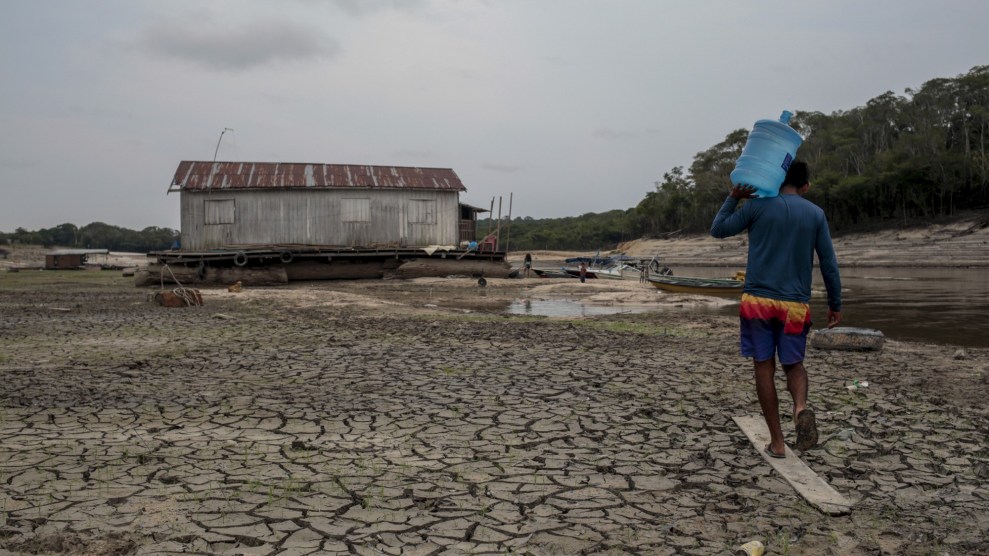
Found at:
[337, 217]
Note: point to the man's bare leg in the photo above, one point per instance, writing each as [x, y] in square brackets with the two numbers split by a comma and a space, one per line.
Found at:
[765, 388]
[805, 420]
[797, 384]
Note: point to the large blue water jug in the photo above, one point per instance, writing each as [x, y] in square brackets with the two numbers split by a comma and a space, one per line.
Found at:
[771, 147]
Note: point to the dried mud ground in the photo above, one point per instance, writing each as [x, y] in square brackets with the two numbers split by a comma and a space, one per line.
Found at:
[389, 417]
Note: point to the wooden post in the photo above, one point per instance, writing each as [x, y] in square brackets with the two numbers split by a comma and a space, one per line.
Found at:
[498, 229]
[491, 216]
[508, 226]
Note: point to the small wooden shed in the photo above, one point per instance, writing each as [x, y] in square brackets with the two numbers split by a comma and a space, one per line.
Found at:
[70, 259]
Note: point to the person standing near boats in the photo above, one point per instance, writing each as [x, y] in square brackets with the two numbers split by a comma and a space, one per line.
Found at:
[784, 233]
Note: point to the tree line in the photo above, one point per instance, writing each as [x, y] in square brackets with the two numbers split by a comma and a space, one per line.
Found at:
[898, 159]
[96, 235]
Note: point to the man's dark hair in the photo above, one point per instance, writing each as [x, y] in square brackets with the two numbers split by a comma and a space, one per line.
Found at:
[797, 175]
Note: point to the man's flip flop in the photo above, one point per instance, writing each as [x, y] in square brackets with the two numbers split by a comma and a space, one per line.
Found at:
[772, 454]
[806, 430]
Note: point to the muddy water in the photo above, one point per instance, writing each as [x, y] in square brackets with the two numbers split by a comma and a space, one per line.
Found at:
[944, 306]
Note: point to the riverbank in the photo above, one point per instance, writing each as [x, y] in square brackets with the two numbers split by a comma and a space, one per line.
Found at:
[381, 416]
[959, 243]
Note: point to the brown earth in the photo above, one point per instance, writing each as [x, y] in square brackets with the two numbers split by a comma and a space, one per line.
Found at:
[416, 417]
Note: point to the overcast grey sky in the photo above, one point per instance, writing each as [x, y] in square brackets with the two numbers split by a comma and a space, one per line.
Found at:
[574, 106]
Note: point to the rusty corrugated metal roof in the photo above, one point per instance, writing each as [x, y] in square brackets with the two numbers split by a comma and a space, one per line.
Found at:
[201, 176]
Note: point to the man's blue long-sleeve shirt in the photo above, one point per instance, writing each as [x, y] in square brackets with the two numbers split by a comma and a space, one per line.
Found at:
[784, 233]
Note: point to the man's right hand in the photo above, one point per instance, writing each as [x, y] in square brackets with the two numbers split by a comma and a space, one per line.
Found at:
[743, 191]
[834, 318]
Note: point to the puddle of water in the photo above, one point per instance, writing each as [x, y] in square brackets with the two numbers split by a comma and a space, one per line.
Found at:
[570, 308]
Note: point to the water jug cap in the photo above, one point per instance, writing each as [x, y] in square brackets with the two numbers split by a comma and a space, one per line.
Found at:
[785, 117]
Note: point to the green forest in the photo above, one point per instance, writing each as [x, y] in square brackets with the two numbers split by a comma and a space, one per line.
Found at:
[95, 236]
[898, 159]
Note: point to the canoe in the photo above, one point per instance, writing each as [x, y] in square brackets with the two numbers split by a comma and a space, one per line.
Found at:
[618, 272]
[543, 273]
[700, 286]
[613, 267]
[575, 272]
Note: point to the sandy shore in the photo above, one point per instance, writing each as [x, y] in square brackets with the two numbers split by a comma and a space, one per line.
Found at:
[961, 243]
[393, 417]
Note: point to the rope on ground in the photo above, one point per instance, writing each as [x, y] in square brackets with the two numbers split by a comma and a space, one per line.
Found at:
[184, 293]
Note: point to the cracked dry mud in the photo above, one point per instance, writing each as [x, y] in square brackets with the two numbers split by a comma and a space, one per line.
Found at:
[274, 427]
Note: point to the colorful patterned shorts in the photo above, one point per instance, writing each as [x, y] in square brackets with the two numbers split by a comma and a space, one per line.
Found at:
[771, 326]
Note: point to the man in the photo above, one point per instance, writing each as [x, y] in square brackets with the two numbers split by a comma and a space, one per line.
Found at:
[784, 233]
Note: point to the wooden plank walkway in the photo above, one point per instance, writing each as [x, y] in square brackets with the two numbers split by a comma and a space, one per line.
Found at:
[808, 484]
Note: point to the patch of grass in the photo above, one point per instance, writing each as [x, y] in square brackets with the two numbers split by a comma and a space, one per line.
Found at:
[45, 279]
[780, 542]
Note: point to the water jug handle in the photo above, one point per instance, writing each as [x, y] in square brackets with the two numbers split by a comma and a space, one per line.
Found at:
[785, 117]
